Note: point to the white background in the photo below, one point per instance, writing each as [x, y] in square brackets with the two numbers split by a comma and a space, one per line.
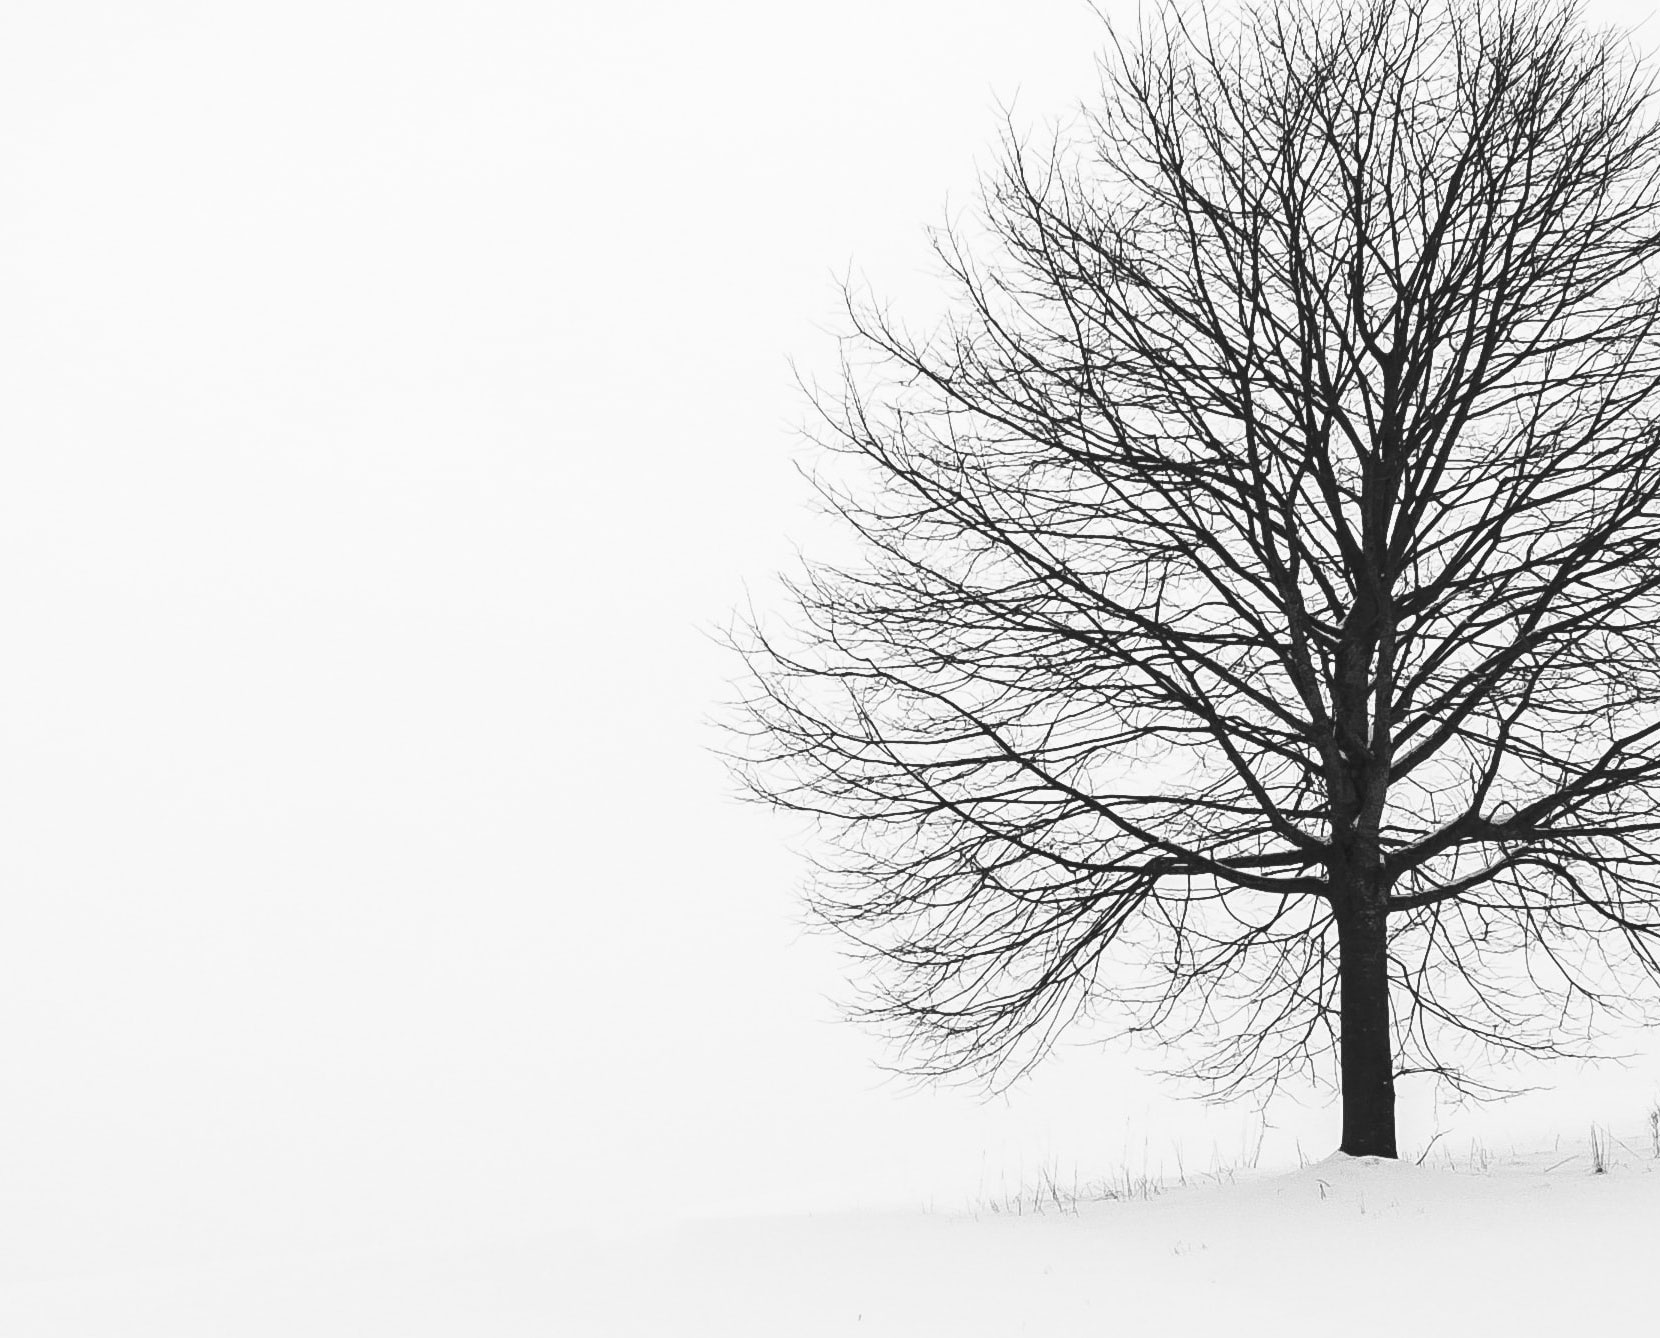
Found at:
[392, 398]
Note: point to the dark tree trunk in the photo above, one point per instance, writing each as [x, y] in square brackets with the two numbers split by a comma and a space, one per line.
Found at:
[1365, 1052]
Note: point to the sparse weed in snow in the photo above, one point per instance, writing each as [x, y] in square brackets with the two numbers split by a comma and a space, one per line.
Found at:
[1050, 1194]
[1427, 1147]
[1599, 1151]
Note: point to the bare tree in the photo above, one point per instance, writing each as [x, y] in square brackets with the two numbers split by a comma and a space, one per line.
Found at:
[1254, 638]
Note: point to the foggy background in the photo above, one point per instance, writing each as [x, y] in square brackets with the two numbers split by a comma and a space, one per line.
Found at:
[393, 398]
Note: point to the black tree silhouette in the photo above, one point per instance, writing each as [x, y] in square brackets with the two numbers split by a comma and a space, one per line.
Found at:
[1254, 638]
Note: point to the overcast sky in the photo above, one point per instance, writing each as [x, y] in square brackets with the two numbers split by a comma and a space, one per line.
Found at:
[392, 397]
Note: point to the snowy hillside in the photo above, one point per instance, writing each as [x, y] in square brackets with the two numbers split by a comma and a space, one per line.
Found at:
[1470, 1242]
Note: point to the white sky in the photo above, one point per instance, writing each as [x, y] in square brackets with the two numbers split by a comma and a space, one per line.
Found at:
[391, 397]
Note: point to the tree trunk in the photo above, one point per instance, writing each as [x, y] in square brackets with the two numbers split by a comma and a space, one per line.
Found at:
[1364, 1043]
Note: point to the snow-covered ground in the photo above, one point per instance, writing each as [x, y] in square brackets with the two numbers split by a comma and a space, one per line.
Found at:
[1474, 1241]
